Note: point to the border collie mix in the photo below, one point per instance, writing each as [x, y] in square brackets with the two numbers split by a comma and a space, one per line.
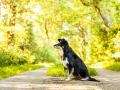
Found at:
[72, 62]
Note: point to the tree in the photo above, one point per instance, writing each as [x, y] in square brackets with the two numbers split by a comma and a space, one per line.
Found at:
[92, 27]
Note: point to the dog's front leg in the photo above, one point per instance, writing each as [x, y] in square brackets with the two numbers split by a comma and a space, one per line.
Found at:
[65, 73]
[71, 70]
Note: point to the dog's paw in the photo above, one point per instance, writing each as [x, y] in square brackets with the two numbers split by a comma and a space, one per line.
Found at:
[68, 79]
[85, 79]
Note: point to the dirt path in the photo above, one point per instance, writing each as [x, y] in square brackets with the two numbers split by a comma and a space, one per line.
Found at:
[37, 80]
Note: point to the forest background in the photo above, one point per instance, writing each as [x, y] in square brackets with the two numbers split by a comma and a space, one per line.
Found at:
[30, 28]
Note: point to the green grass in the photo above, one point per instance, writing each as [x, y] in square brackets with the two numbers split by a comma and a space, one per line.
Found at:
[92, 71]
[112, 66]
[58, 70]
[8, 71]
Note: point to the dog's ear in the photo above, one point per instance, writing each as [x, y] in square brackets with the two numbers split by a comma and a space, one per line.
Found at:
[63, 39]
[59, 39]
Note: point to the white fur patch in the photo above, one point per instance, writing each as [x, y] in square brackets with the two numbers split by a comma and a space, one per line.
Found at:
[65, 62]
[85, 78]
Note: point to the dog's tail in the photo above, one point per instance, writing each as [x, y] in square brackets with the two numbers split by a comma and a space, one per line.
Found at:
[93, 79]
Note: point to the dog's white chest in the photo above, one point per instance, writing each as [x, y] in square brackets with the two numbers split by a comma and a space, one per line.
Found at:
[65, 62]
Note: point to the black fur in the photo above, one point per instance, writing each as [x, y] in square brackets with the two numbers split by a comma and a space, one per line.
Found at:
[75, 62]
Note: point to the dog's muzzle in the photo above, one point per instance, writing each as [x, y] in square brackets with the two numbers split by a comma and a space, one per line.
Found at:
[57, 46]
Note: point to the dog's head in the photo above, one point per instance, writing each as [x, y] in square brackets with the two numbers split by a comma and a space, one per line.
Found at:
[62, 43]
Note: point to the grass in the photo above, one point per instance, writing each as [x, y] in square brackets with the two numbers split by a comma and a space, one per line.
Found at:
[13, 70]
[58, 70]
[92, 71]
[112, 66]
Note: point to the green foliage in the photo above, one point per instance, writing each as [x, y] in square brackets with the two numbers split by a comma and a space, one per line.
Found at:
[30, 28]
[11, 56]
[58, 70]
[92, 71]
[112, 66]
[45, 53]
[8, 71]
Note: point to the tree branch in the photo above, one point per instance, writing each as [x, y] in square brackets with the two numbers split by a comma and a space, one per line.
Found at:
[104, 17]
[46, 29]
[86, 4]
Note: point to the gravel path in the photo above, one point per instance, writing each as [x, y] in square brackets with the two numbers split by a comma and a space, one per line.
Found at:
[37, 80]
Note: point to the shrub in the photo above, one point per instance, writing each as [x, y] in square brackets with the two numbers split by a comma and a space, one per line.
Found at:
[56, 70]
[112, 66]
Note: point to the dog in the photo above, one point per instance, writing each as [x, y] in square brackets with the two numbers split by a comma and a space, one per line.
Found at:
[72, 62]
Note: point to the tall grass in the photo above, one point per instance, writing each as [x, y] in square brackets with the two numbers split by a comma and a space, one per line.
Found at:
[115, 66]
[58, 70]
[8, 71]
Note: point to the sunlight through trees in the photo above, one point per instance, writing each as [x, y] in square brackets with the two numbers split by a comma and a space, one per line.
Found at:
[29, 28]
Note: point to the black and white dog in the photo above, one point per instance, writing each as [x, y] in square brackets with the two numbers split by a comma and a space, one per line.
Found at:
[72, 62]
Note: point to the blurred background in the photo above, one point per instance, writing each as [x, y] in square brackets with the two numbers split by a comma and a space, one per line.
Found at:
[30, 28]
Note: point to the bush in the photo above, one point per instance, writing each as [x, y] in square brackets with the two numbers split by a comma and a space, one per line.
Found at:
[12, 56]
[92, 71]
[56, 70]
[15, 56]
[112, 66]
[44, 54]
